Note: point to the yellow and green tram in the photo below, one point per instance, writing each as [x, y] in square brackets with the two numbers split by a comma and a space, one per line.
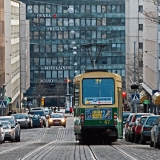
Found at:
[98, 106]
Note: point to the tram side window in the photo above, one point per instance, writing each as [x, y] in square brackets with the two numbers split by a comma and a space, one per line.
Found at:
[76, 94]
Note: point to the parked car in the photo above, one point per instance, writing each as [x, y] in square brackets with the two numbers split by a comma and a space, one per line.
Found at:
[132, 125]
[14, 124]
[57, 119]
[24, 120]
[155, 134]
[125, 116]
[146, 128]
[37, 121]
[2, 133]
[138, 128]
[39, 111]
[9, 131]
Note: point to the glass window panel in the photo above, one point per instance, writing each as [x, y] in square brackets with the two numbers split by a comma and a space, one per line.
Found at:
[36, 35]
[59, 8]
[98, 8]
[71, 60]
[118, 9]
[54, 61]
[42, 22]
[48, 35]
[60, 60]
[31, 61]
[48, 8]
[77, 34]
[88, 34]
[65, 34]
[114, 60]
[36, 48]
[48, 74]
[113, 8]
[123, 47]
[54, 8]
[60, 48]
[88, 60]
[104, 34]
[54, 35]
[103, 21]
[60, 35]
[108, 60]
[35, 8]
[65, 9]
[122, 8]
[83, 22]
[48, 48]
[65, 47]
[93, 8]
[59, 21]
[48, 21]
[54, 48]
[82, 8]
[41, 35]
[76, 8]
[36, 61]
[88, 22]
[42, 61]
[65, 21]
[94, 48]
[71, 73]
[31, 74]
[42, 9]
[54, 22]
[54, 74]
[99, 21]
[60, 74]
[42, 74]
[83, 60]
[66, 60]
[118, 47]
[104, 9]
[77, 22]
[123, 72]
[98, 34]
[29, 9]
[48, 61]
[36, 75]
[65, 74]
[88, 9]
[35, 21]
[82, 34]
[42, 48]
[93, 22]
[93, 34]
[108, 8]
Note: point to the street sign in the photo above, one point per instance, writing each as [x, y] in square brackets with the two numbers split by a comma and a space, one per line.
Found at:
[146, 102]
[8, 99]
[29, 103]
[3, 104]
[135, 98]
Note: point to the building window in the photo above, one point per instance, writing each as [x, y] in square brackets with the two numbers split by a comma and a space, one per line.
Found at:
[48, 61]
[36, 48]
[140, 45]
[60, 48]
[36, 35]
[54, 35]
[140, 8]
[54, 74]
[82, 8]
[65, 34]
[35, 7]
[54, 8]
[141, 27]
[42, 48]
[60, 60]
[60, 74]
[60, 35]
[59, 21]
[42, 74]
[42, 9]
[76, 8]
[54, 48]
[48, 8]
[59, 8]
[29, 9]
[54, 61]
[48, 74]
[48, 22]
[42, 61]
[98, 8]
[88, 10]
[65, 21]
[48, 48]
[36, 61]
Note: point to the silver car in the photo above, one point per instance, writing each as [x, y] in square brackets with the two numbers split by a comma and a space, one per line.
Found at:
[9, 132]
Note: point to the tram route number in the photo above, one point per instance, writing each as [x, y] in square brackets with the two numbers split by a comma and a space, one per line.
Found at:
[107, 122]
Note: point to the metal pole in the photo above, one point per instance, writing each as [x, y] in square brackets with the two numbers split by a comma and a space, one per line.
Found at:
[135, 106]
[3, 95]
[94, 64]
[67, 85]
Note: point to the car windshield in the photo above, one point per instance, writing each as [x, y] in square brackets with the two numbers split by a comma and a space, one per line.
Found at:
[125, 116]
[7, 119]
[143, 120]
[151, 121]
[41, 113]
[6, 125]
[130, 118]
[19, 116]
[56, 116]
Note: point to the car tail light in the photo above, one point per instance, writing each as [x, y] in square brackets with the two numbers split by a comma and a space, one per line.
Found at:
[82, 118]
[115, 118]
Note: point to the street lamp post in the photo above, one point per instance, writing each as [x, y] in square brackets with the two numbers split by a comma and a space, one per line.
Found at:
[39, 87]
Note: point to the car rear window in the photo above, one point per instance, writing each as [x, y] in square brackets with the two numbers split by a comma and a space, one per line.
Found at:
[151, 120]
[56, 116]
[143, 120]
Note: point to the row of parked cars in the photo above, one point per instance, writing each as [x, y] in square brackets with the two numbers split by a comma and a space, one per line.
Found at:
[10, 126]
[142, 127]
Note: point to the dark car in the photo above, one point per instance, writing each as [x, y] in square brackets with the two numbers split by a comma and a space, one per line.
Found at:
[14, 124]
[146, 128]
[57, 119]
[155, 134]
[37, 121]
[132, 125]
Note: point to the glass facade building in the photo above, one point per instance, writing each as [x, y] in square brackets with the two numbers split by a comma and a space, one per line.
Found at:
[61, 42]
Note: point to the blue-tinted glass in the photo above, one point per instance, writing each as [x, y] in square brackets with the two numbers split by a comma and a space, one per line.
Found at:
[98, 91]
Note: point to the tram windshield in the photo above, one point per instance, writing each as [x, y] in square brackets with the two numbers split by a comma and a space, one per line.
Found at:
[98, 91]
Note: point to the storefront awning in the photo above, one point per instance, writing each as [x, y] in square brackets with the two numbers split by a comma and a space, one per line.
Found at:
[149, 90]
[156, 98]
[143, 96]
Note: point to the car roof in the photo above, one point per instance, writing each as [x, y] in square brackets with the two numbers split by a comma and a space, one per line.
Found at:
[57, 113]
[6, 117]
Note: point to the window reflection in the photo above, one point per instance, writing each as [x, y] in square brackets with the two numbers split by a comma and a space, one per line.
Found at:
[48, 8]
[42, 9]
[48, 74]
[29, 9]
[35, 8]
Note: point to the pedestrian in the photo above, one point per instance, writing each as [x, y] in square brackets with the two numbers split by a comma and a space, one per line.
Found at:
[14, 112]
[55, 109]
[71, 110]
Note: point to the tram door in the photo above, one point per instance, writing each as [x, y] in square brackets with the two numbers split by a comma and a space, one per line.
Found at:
[68, 102]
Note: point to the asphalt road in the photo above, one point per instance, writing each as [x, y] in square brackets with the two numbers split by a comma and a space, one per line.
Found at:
[58, 143]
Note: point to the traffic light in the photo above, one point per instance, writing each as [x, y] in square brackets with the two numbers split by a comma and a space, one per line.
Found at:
[68, 80]
[42, 101]
[134, 86]
[124, 94]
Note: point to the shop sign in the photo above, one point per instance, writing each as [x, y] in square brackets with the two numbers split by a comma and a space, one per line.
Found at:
[44, 15]
[47, 81]
[54, 28]
[57, 67]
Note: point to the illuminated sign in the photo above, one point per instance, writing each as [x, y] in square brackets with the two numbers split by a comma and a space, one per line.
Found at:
[57, 67]
[54, 28]
[44, 15]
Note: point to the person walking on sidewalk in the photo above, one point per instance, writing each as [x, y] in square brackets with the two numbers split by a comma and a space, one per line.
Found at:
[71, 110]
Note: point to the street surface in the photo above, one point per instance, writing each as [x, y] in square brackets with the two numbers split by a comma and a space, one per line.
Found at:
[58, 143]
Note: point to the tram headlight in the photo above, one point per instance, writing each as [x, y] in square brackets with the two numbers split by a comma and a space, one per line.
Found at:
[62, 120]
